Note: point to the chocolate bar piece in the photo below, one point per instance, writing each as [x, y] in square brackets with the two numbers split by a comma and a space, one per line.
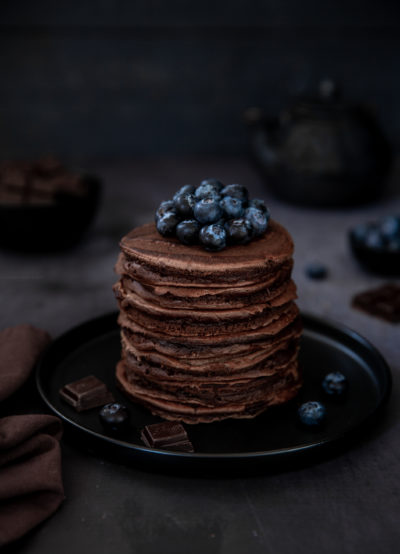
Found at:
[169, 435]
[38, 183]
[383, 302]
[87, 393]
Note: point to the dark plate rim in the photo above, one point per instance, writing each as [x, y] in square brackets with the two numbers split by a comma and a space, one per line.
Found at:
[310, 322]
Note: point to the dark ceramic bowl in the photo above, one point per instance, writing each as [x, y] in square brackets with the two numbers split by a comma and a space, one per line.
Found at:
[47, 228]
[381, 261]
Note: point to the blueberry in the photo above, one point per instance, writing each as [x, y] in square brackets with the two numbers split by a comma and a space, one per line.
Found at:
[206, 189]
[222, 221]
[184, 203]
[393, 244]
[390, 227]
[213, 237]
[188, 230]
[214, 182]
[259, 204]
[164, 207]
[167, 223]
[239, 231]
[374, 239]
[334, 383]
[237, 191]
[312, 413]
[189, 189]
[360, 232]
[207, 210]
[232, 207]
[258, 220]
[315, 270]
[114, 417]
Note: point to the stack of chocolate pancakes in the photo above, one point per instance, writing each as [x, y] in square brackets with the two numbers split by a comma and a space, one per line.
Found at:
[207, 335]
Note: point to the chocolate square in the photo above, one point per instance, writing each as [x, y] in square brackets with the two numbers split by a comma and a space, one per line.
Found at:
[169, 435]
[86, 393]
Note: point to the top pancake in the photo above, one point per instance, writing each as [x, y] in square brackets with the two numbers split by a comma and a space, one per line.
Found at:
[156, 259]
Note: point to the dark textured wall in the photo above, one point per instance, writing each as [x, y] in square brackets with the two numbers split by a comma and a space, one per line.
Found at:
[123, 78]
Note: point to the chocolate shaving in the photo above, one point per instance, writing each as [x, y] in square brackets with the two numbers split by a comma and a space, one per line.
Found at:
[382, 302]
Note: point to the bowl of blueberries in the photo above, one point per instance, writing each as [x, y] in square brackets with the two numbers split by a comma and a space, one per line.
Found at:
[212, 215]
[376, 245]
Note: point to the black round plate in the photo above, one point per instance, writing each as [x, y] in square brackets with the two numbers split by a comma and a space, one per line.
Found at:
[273, 438]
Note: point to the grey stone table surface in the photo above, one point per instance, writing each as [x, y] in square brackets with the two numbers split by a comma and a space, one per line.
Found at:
[349, 503]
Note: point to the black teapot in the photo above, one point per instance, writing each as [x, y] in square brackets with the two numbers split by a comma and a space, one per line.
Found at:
[321, 151]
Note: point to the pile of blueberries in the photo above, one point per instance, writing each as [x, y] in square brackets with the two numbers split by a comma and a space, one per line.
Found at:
[213, 215]
[381, 235]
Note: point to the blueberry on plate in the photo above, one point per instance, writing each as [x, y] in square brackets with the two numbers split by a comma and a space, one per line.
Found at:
[258, 220]
[184, 203]
[237, 191]
[232, 207]
[207, 210]
[316, 270]
[114, 417]
[334, 383]
[164, 207]
[206, 189]
[166, 224]
[312, 413]
[213, 237]
[188, 230]
[239, 231]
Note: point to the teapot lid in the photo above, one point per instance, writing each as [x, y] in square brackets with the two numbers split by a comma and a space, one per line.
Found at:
[327, 100]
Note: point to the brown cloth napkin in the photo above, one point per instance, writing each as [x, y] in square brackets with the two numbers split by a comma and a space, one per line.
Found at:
[20, 348]
[31, 486]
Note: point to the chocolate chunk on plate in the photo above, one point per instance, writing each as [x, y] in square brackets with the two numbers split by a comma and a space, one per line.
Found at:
[85, 394]
[168, 435]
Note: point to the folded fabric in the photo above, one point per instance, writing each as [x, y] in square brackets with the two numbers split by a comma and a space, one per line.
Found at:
[20, 348]
[30, 473]
[31, 486]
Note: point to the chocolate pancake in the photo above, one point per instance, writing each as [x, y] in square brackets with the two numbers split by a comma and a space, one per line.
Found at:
[225, 370]
[135, 294]
[206, 336]
[278, 390]
[174, 294]
[175, 355]
[152, 259]
[200, 347]
[190, 327]
[251, 335]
